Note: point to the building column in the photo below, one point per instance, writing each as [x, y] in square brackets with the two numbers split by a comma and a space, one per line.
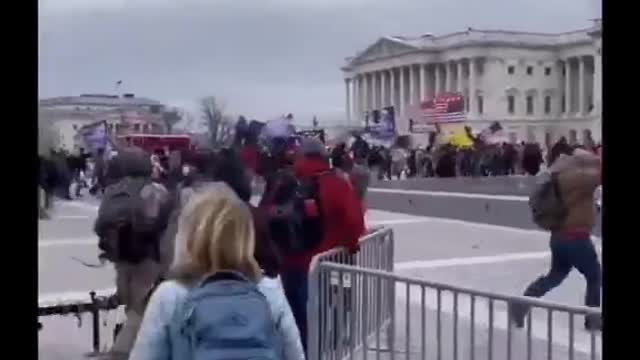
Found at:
[412, 85]
[383, 89]
[365, 93]
[581, 88]
[403, 96]
[567, 87]
[354, 101]
[347, 109]
[458, 65]
[423, 83]
[436, 89]
[472, 87]
[392, 89]
[448, 85]
[374, 90]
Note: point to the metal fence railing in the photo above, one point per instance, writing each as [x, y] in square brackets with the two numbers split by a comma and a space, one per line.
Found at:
[376, 253]
[429, 320]
[94, 303]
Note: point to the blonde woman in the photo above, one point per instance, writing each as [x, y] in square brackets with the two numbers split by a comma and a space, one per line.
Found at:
[216, 303]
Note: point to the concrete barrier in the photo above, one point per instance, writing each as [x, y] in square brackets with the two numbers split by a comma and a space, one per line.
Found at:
[496, 185]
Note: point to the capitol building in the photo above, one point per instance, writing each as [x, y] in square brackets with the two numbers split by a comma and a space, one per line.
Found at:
[538, 86]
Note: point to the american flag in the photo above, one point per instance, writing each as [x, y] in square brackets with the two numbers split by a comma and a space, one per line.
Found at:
[446, 109]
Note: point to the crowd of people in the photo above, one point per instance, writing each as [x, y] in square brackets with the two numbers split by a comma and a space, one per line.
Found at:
[447, 160]
[181, 230]
[185, 236]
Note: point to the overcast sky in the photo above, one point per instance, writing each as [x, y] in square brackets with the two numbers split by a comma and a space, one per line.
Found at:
[261, 57]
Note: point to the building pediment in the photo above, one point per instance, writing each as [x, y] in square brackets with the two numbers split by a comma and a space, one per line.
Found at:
[382, 48]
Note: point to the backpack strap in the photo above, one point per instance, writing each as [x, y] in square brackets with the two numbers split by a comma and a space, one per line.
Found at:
[223, 275]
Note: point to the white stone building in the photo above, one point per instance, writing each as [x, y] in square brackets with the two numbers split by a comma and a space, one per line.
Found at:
[64, 116]
[539, 86]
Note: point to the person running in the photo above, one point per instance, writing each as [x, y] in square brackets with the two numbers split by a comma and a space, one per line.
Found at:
[578, 176]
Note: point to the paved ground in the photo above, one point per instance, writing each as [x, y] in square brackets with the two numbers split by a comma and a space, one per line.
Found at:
[482, 256]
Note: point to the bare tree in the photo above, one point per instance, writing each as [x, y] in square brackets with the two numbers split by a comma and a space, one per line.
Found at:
[226, 131]
[212, 113]
[170, 119]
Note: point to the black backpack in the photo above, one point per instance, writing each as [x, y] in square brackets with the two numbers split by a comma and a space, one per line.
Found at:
[129, 225]
[294, 213]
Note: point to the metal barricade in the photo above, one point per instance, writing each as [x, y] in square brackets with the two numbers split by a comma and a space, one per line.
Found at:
[376, 252]
[433, 320]
[93, 303]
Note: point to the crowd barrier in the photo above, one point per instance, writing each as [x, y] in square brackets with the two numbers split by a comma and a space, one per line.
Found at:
[430, 320]
[376, 252]
[93, 303]
[347, 296]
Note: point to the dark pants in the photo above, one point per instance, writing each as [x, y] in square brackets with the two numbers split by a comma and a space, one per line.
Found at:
[295, 283]
[565, 255]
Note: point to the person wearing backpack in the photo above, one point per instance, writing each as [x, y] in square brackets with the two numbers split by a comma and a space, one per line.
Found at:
[215, 303]
[132, 217]
[563, 203]
[312, 209]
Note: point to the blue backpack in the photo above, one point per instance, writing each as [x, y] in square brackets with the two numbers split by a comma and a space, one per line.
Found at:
[226, 317]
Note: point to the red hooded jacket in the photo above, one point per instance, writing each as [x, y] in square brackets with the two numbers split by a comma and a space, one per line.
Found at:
[342, 212]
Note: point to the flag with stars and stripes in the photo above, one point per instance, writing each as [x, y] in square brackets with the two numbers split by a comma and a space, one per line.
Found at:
[448, 108]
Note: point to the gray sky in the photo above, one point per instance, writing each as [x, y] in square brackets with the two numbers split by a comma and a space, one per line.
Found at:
[261, 57]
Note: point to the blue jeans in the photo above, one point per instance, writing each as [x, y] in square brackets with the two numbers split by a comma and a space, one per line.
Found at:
[565, 255]
[295, 283]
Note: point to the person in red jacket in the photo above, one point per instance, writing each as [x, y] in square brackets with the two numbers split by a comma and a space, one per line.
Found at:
[343, 219]
[249, 155]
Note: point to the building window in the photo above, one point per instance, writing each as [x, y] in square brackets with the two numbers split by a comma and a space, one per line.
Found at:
[136, 127]
[548, 139]
[564, 71]
[547, 71]
[513, 137]
[529, 105]
[573, 137]
[75, 127]
[547, 105]
[587, 138]
[563, 105]
[480, 105]
[529, 70]
[511, 104]
[511, 70]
